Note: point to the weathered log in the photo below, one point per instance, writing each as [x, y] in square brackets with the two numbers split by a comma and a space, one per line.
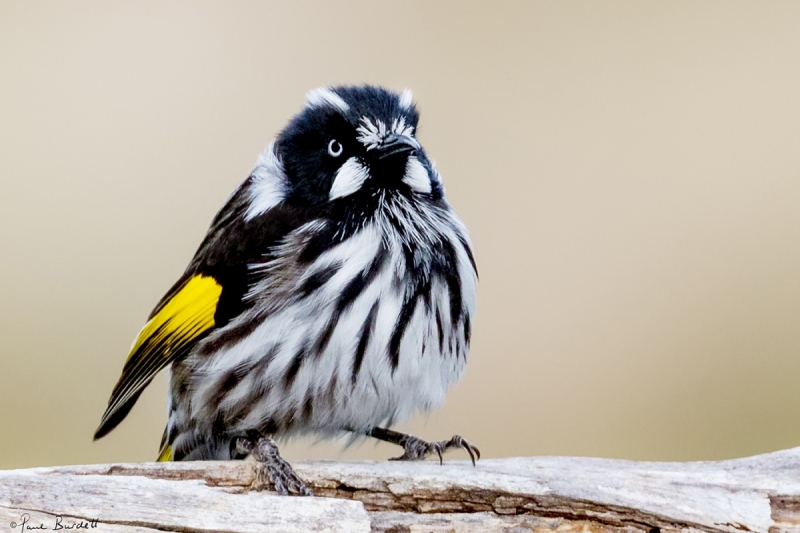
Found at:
[759, 494]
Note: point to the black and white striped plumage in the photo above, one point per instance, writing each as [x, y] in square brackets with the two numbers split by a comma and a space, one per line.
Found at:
[347, 289]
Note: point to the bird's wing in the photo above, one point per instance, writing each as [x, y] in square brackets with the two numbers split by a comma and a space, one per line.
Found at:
[168, 335]
[208, 295]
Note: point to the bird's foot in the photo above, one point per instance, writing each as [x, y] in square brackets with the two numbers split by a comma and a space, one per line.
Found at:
[416, 449]
[272, 468]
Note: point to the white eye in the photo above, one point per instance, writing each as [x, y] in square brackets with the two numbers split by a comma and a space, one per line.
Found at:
[335, 148]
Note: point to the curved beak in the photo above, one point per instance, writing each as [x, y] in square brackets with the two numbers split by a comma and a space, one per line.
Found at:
[397, 144]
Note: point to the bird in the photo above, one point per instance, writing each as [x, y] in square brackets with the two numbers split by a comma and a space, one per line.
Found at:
[333, 295]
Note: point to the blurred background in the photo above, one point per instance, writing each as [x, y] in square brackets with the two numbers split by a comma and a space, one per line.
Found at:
[629, 172]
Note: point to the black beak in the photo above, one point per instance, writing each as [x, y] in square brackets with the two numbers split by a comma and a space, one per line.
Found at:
[397, 144]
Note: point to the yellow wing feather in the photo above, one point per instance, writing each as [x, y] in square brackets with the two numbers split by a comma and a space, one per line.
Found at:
[186, 315]
[192, 308]
[166, 454]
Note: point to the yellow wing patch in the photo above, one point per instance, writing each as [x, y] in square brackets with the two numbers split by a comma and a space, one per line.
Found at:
[187, 314]
[166, 454]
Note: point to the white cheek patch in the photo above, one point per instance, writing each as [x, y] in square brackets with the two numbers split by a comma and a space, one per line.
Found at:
[268, 185]
[416, 176]
[325, 97]
[349, 178]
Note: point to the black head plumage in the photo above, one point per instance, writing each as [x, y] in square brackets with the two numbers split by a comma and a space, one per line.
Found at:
[350, 142]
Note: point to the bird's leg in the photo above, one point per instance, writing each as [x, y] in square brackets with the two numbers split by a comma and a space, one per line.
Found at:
[416, 449]
[271, 466]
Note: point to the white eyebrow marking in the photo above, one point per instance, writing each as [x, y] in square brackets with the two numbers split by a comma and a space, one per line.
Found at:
[323, 96]
[349, 178]
[405, 98]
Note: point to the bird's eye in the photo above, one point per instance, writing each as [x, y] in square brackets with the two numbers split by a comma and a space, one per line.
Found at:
[335, 148]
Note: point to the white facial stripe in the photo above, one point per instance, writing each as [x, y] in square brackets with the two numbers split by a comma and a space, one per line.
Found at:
[268, 186]
[349, 178]
[416, 176]
[406, 97]
[325, 97]
[399, 127]
[372, 135]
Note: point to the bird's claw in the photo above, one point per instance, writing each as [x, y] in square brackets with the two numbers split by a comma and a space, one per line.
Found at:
[416, 449]
[273, 469]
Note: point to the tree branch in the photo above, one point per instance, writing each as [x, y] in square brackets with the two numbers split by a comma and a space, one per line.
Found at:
[758, 494]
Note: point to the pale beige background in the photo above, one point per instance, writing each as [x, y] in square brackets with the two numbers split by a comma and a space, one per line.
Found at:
[629, 172]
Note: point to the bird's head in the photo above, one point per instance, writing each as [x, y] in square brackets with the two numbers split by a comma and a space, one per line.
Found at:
[350, 143]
